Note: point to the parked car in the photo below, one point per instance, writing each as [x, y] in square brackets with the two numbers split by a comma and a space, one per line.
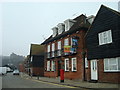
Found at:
[16, 72]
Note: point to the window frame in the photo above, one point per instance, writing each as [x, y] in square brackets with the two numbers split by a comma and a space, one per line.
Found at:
[48, 48]
[72, 67]
[66, 42]
[59, 45]
[86, 62]
[105, 37]
[67, 59]
[109, 65]
[52, 65]
[48, 65]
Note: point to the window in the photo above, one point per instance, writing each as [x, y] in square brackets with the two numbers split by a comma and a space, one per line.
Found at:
[53, 49]
[48, 65]
[66, 42]
[59, 48]
[74, 42]
[74, 64]
[68, 24]
[112, 64]
[48, 48]
[67, 64]
[53, 66]
[105, 37]
[86, 63]
[59, 45]
[31, 58]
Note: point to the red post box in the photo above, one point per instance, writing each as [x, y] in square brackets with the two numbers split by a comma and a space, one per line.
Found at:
[61, 75]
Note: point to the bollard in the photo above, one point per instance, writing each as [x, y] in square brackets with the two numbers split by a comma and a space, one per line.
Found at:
[62, 75]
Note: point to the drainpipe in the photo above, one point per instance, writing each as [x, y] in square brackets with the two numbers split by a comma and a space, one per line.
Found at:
[83, 56]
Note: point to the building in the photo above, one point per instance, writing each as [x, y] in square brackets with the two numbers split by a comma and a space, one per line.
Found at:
[27, 64]
[36, 63]
[103, 46]
[21, 67]
[65, 49]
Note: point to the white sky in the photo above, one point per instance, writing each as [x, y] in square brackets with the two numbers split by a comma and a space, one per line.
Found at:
[23, 23]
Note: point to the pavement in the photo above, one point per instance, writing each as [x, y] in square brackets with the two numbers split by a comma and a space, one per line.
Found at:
[75, 83]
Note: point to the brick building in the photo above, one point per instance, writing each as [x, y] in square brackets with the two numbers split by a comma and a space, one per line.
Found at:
[65, 49]
[103, 46]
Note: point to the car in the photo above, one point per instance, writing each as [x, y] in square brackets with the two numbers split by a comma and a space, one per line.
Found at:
[16, 72]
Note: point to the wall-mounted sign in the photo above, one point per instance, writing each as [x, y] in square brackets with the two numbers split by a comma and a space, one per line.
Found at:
[67, 49]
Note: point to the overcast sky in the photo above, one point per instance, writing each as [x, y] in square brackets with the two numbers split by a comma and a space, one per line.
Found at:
[24, 23]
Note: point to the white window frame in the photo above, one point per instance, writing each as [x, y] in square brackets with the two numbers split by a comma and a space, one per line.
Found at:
[53, 49]
[53, 46]
[66, 42]
[48, 48]
[59, 45]
[105, 37]
[48, 65]
[110, 65]
[67, 59]
[86, 63]
[72, 63]
[31, 58]
[52, 65]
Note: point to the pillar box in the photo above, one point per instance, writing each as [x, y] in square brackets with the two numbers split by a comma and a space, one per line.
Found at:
[61, 75]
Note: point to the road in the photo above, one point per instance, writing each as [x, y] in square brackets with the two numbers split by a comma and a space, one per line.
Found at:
[14, 81]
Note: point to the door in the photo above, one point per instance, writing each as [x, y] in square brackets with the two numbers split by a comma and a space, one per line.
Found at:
[94, 70]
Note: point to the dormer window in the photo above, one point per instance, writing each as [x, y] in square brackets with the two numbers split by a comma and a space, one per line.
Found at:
[90, 19]
[55, 31]
[61, 28]
[68, 24]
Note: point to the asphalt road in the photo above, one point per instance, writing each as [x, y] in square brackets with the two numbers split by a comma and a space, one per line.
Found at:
[16, 81]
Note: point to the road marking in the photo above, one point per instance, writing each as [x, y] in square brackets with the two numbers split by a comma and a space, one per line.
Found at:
[54, 84]
[49, 83]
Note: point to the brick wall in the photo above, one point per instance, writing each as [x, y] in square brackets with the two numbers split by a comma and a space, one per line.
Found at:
[38, 71]
[69, 75]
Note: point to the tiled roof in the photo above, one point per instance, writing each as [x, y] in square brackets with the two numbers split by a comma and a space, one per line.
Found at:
[80, 23]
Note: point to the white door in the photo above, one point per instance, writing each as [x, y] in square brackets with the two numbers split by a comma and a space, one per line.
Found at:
[94, 70]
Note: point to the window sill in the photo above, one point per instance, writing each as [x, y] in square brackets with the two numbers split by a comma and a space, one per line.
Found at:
[111, 71]
[74, 71]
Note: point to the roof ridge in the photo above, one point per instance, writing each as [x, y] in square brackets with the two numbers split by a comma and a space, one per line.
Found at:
[116, 12]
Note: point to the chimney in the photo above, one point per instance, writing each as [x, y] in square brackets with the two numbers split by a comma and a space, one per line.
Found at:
[61, 28]
[68, 24]
[55, 31]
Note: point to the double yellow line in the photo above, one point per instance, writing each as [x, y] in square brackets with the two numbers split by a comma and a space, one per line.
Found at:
[54, 84]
